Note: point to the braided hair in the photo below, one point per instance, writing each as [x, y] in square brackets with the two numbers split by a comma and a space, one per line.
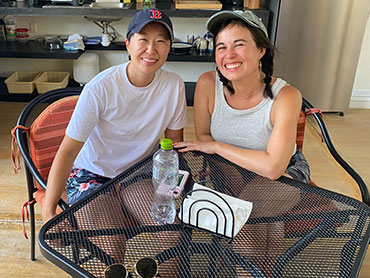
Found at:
[267, 60]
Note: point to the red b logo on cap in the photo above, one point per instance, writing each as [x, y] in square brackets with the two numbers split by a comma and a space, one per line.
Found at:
[155, 14]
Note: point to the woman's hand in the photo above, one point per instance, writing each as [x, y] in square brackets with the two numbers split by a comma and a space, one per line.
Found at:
[206, 147]
[47, 214]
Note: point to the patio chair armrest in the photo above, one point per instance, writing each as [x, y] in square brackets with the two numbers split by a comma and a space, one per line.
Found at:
[363, 188]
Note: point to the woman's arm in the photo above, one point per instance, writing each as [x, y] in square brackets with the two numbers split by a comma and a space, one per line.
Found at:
[174, 135]
[58, 176]
[273, 162]
[203, 106]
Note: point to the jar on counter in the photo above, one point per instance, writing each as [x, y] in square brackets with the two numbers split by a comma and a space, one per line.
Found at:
[22, 34]
[10, 27]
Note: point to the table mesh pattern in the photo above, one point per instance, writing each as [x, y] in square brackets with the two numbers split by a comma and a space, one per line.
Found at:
[295, 230]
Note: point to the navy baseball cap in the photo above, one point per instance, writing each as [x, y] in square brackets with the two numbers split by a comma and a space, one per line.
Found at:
[146, 16]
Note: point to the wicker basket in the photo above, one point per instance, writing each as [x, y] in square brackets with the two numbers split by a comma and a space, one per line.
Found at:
[49, 80]
[22, 82]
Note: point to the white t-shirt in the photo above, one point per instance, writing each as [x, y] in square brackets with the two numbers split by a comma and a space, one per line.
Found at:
[120, 123]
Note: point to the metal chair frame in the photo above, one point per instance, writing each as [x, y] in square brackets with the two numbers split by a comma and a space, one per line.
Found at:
[32, 173]
[320, 121]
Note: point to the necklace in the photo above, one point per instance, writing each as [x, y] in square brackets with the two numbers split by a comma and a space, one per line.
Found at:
[255, 91]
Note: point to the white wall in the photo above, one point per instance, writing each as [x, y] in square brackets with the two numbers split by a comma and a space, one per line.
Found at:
[361, 88]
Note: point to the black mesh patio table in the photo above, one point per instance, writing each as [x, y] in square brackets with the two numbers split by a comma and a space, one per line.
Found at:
[294, 230]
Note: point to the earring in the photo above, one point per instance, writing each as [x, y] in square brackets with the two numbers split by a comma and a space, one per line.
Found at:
[260, 66]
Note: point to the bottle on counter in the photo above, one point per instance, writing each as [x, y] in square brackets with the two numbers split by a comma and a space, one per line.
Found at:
[22, 34]
[165, 179]
[10, 27]
[2, 30]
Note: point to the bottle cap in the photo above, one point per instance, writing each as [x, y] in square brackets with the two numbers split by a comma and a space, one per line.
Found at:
[166, 144]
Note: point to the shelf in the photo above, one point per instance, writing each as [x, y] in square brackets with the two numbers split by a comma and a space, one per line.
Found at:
[20, 9]
[34, 49]
[6, 96]
[192, 57]
[69, 10]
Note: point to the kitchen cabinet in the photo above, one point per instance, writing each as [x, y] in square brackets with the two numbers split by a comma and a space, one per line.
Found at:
[20, 51]
[34, 50]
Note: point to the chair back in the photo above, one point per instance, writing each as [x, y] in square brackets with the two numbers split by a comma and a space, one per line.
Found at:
[47, 132]
[40, 130]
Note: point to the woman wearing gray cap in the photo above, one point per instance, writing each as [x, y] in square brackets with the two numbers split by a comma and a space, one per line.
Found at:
[241, 111]
[244, 114]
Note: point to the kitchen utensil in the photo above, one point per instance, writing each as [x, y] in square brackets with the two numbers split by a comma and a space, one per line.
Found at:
[181, 48]
[52, 43]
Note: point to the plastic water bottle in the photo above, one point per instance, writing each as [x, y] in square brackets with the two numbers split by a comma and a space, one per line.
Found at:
[165, 179]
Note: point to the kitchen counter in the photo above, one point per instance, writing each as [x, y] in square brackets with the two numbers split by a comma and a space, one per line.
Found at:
[35, 49]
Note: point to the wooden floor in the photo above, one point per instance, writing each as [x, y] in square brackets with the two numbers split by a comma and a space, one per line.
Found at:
[350, 134]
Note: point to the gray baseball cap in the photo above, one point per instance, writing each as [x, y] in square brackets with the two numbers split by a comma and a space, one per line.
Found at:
[247, 16]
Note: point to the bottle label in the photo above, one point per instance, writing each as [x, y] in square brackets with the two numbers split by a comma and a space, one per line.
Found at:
[10, 30]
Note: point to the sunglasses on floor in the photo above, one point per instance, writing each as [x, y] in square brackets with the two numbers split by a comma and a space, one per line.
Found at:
[146, 268]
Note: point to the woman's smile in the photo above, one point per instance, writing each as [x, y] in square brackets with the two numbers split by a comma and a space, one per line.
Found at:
[232, 66]
[150, 60]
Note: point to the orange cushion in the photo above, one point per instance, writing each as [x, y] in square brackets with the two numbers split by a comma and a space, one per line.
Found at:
[300, 130]
[47, 133]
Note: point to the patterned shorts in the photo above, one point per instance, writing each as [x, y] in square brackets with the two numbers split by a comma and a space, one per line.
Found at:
[82, 182]
[298, 167]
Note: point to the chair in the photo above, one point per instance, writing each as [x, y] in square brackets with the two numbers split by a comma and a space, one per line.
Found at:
[306, 225]
[308, 109]
[40, 130]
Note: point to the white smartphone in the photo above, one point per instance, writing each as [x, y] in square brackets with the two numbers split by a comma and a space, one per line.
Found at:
[183, 177]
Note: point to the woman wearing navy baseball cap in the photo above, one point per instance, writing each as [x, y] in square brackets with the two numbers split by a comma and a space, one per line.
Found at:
[121, 115]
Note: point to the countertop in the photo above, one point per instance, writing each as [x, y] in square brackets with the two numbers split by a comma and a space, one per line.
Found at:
[35, 49]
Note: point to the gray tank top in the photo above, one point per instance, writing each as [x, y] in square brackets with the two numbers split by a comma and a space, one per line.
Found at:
[249, 128]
